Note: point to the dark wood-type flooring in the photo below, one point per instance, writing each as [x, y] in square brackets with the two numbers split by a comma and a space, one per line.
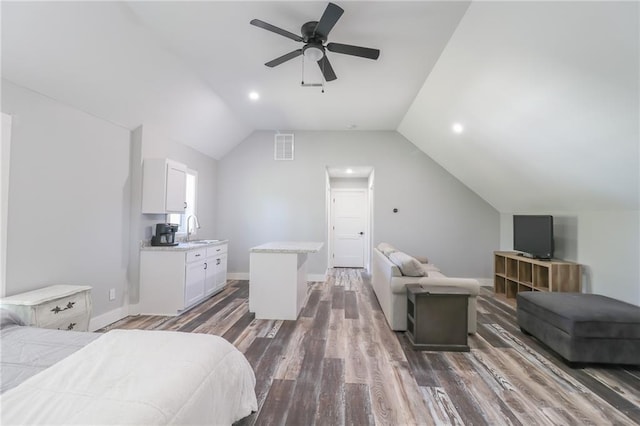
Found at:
[340, 363]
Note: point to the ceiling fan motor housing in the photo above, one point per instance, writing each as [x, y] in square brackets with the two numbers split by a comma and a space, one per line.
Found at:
[309, 35]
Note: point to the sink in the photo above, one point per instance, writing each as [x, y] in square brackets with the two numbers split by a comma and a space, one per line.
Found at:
[204, 241]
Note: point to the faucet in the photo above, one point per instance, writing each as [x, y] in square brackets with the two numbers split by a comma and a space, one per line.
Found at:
[196, 225]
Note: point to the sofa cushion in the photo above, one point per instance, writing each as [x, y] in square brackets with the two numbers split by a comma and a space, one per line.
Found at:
[386, 249]
[409, 266]
[422, 259]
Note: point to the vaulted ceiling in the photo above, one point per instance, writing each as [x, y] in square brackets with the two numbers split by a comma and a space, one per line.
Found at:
[547, 92]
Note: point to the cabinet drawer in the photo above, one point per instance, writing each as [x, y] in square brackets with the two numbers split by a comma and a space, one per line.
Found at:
[216, 250]
[59, 313]
[77, 322]
[196, 255]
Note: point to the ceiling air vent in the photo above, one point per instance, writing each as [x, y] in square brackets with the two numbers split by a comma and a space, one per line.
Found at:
[283, 147]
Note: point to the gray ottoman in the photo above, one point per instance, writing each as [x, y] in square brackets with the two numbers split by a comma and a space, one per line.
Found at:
[582, 327]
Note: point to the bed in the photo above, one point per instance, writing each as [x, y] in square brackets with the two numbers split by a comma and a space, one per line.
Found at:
[121, 377]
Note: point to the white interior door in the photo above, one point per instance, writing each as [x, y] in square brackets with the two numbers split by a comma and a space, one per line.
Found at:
[349, 226]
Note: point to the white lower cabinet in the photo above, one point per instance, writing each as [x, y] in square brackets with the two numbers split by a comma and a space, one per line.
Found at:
[195, 279]
[216, 269]
[172, 281]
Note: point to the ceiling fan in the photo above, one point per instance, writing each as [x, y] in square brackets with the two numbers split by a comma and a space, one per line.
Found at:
[314, 37]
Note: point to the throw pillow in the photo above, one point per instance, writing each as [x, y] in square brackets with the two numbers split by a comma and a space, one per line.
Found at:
[409, 266]
[422, 259]
[386, 249]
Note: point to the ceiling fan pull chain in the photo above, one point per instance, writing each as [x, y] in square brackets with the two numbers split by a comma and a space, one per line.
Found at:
[302, 82]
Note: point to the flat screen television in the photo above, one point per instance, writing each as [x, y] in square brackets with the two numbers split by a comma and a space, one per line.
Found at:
[533, 235]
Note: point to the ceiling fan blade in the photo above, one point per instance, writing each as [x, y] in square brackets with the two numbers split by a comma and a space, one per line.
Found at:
[284, 58]
[261, 24]
[327, 69]
[329, 18]
[347, 49]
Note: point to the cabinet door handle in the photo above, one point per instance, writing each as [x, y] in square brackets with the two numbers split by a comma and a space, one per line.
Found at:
[185, 205]
[217, 261]
[205, 265]
[198, 255]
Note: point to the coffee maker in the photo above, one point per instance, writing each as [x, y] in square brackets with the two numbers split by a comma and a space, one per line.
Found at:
[165, 235]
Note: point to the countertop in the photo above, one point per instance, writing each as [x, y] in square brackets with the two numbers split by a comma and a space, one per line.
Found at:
[288, 247]
[185, 246]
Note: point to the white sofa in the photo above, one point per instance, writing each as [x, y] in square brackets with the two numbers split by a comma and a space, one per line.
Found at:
[389, 285]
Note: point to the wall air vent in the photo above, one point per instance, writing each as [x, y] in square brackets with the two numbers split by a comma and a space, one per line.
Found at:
[283, 147]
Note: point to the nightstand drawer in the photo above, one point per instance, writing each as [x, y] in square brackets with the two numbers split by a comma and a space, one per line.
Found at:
[61, 311]
[77, 322]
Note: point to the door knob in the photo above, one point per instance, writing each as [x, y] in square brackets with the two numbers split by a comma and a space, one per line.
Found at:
[361, 233]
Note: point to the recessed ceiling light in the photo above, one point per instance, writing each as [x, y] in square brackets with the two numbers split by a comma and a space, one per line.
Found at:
[254, 96]
[349, 171]
[457, 128]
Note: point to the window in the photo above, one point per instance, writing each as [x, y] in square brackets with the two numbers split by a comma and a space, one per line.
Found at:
[192, 203]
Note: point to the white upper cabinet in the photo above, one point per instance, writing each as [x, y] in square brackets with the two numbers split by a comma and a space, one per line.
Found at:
[164, 186]
[176, 201]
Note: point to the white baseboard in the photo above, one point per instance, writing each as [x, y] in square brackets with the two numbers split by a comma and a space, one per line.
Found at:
[107, 318]
[317, 277]
[134, 309]
[245, 276]
[238, 276]
[485, 282]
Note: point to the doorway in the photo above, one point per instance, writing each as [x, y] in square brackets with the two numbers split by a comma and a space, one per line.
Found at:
[349, 214]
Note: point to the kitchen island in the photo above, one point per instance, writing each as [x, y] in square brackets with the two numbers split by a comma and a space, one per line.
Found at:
[278, 278]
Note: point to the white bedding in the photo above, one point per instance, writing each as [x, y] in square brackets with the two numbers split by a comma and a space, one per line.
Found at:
[26, 351]
[138, 377]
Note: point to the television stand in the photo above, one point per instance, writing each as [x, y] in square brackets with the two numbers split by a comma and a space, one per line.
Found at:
[530, 256]
[514, 272]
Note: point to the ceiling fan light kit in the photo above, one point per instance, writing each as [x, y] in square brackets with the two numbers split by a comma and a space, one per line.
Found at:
[314, 36]
[313, 52]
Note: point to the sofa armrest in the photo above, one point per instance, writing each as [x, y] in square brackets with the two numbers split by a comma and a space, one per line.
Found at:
[467, 283]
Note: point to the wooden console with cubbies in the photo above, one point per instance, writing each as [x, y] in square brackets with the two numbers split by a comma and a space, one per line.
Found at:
[514, 273]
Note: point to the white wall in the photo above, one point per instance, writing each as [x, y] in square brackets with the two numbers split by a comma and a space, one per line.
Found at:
[349, 183]
[68, 215]
[5, 152]
[606, 243]
[261, 200]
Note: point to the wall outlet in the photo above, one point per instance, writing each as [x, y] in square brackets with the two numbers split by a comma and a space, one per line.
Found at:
[112, 294]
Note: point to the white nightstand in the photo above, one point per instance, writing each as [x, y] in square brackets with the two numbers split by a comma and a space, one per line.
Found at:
[62, 307]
